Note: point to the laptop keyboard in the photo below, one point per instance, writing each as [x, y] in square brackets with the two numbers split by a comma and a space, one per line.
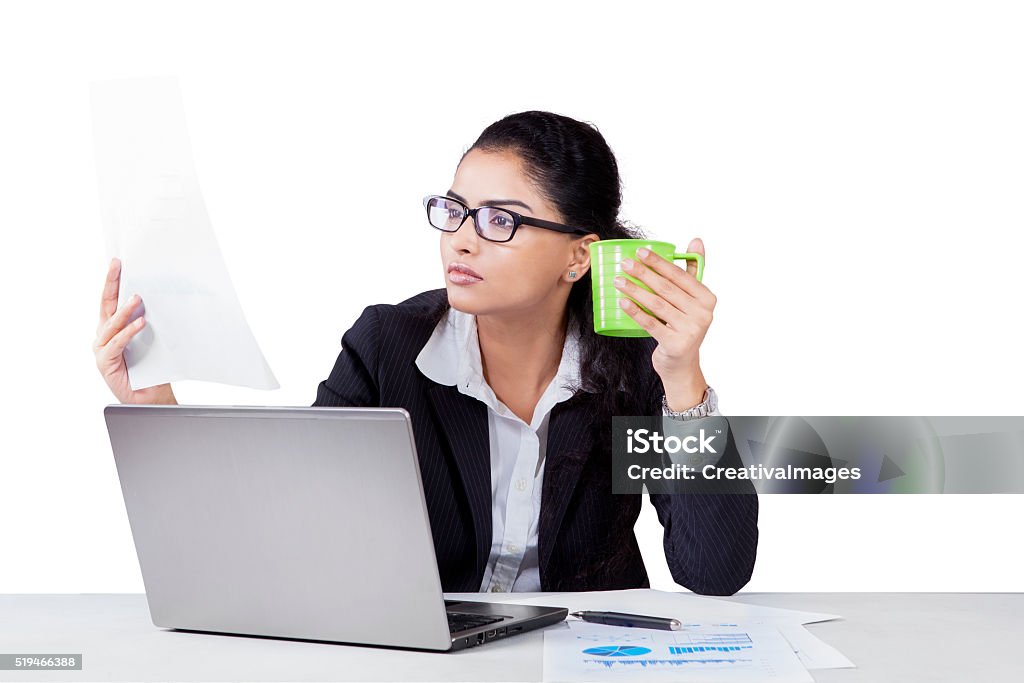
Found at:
[461, 621]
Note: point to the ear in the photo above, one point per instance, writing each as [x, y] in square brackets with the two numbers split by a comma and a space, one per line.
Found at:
[579, 257]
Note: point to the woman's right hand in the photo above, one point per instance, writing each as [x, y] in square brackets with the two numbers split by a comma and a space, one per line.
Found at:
[113, 335]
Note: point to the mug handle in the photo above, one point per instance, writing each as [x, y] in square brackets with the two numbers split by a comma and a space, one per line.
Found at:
[693, 256]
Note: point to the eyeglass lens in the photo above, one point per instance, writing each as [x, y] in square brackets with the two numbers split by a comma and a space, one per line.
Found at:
[491, 223]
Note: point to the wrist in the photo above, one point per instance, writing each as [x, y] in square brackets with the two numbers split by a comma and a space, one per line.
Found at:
[683, 395]
[166, 397]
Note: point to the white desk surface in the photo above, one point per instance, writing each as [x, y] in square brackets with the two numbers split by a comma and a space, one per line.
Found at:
[889, 636]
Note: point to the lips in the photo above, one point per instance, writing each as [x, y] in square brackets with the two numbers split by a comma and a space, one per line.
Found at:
[464, 269]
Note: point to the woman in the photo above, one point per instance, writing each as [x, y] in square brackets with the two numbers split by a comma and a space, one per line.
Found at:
[511, 391]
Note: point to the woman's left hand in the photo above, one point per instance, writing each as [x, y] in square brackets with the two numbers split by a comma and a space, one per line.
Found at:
[684, 306]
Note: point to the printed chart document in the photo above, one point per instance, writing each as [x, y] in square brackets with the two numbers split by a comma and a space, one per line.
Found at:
[811, 652]
[698, 652]
[155, 221]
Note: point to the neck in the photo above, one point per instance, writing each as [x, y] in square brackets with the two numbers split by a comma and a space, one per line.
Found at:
[523, 348]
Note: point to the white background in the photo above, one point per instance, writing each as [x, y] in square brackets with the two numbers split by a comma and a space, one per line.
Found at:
[855, 170]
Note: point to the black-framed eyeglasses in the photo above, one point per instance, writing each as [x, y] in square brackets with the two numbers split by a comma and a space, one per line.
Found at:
[492, 223]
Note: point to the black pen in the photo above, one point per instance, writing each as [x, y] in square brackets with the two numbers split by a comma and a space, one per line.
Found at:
[634, 620]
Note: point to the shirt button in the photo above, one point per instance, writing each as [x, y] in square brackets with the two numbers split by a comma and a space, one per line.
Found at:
[521, 484]
[497, 588]
[513, 548]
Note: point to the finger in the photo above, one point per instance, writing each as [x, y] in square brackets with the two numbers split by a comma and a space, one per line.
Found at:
[108, 302]
[116, 322]
[654, 302]
[681, 277]
[697, 247]
[654, 327]
[661, 285]
[115, 347]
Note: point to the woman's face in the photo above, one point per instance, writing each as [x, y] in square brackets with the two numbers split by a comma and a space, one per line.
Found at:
[519, 274]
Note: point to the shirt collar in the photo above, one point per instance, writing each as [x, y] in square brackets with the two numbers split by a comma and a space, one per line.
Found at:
[452, 356]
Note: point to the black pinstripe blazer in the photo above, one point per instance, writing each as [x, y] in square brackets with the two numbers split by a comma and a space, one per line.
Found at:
[585, 535]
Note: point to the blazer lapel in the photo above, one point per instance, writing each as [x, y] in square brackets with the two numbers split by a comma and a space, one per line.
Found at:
[464, 422]
[568, 450]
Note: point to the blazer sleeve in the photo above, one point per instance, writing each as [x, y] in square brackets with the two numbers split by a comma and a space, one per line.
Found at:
[353, 380]
[710, 539]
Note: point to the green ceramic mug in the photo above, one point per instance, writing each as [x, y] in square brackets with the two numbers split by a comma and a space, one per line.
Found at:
[605, 263]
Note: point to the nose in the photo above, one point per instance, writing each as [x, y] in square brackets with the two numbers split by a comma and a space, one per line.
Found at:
[464, 240]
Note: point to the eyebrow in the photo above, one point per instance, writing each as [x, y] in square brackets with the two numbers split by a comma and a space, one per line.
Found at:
[492, 202]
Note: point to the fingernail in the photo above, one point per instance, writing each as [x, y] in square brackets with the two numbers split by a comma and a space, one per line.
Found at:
[642, 252]
[620, 281]
[627, 263]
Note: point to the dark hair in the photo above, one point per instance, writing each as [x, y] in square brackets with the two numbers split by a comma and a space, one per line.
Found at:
[573, 167]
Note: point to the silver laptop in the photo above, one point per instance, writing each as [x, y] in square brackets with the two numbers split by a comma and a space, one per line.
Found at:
[292, 522]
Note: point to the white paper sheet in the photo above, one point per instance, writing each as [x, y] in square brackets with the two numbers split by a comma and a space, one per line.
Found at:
[155, 221]
[814, 653]
[698, 652]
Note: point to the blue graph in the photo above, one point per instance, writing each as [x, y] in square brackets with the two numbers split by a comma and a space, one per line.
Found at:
[700, 650]
[690, 649]
[617, 651]
[664, 663]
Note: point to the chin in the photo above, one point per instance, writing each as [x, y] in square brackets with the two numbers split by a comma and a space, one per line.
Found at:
[478, 301]
[460, 297]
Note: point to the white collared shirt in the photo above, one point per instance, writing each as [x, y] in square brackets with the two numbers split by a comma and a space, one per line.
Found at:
[452, 356]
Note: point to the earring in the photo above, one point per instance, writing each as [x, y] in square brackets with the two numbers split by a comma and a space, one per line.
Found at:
[572, 274]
